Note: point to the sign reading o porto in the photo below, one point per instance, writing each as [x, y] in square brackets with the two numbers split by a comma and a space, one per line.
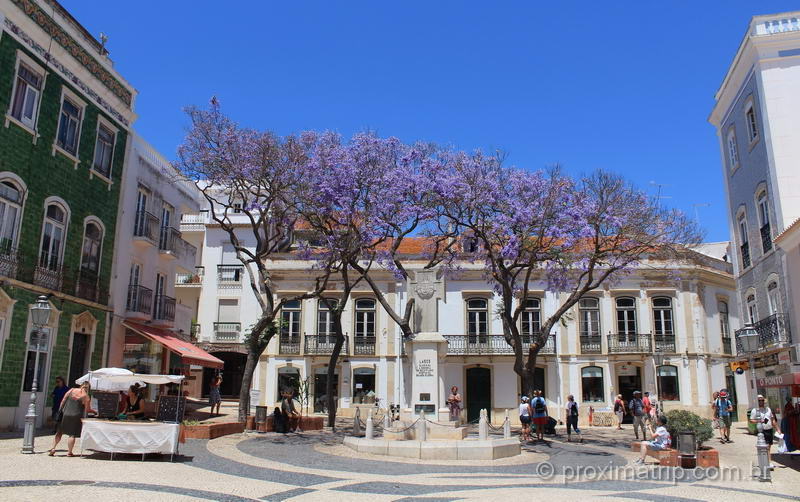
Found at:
[783, 380]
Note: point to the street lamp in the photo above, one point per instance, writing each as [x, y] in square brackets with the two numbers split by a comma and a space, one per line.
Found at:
[40, 317]
[750, 344]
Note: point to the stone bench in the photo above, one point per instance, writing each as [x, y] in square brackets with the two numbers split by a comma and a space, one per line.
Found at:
[666, 458]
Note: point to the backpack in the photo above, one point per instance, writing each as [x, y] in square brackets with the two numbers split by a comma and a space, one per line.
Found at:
[573, 410]
[637, 406]
[539, 405]
[617, 405]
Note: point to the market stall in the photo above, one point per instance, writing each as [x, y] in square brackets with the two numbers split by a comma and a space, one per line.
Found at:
[127, 436]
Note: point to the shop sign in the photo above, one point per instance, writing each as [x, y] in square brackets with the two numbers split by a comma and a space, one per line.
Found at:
[626, 370]
[783, 380]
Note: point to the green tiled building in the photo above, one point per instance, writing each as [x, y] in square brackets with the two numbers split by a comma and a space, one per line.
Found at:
[66, 116]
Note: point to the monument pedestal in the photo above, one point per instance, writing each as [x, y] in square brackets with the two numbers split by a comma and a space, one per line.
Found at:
[425, 383]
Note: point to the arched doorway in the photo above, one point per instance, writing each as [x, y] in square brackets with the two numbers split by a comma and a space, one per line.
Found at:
[479, 392]
[231, 374]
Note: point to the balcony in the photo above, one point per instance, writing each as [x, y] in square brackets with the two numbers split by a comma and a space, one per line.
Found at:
[168, 239]
[591, 345]
[322, 344]
[164, 308]
[745, 249]
[227, 331]
[773, 332]
[766, 238]
[145, 228]
[289, 344]
[140, 299]
[87, 285]
[726, 345]
[47, 277]
[229, 276]
[9, 262]
[192, 280]
[194, 222]
[492, 344]
[665, 343]
[364, 345]
[631, 343]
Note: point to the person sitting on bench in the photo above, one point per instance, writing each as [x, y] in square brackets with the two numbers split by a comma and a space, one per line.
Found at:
[661, 440]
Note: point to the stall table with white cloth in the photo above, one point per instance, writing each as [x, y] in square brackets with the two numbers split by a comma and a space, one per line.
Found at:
[130, 437]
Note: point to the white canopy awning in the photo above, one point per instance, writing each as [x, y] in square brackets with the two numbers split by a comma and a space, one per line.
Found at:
[116, 379]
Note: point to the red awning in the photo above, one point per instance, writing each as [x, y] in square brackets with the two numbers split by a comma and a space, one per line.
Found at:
[188, 352]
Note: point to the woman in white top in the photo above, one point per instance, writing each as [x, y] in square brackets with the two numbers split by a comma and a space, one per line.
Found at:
[661, 440]
[525, 414]
[762, 414]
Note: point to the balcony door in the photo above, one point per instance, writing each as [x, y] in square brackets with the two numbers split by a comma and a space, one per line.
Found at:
[158, 309]
[166, 221]
[141, 208]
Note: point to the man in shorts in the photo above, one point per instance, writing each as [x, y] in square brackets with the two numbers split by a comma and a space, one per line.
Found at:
[763, 416]
[723, 409]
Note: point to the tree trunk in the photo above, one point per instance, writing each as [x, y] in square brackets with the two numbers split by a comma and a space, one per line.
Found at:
[247, 380]
[329, 383]
[529, 373]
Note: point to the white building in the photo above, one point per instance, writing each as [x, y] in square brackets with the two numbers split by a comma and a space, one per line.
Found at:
[755, 116]
[605, 345]
[151, 323]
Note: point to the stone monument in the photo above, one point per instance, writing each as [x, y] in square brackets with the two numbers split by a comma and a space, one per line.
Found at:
[427, 288]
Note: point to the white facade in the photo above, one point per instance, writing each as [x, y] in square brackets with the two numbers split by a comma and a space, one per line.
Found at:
[376, 365]
[150, 250]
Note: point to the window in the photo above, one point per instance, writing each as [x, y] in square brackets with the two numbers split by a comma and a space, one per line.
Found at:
[69, 126]
[626, 316]
[26, 96]
[477, 320]
[662, 316]
[10, 207]
[290, 319]
[773, 298]
[166, 235]
[745, 245]
[288, 379]
[325, 328]
[531, 323]
[364, 385]
[53, 237]
[668, 383]
[365, 319]
[733, 151]
[724, 327]
[752, 124]
[90, 254]
[35, 351]
[763, 219]
[592, 383]
[103, 150]
[133, 287]
[752, 309]
[589, 313]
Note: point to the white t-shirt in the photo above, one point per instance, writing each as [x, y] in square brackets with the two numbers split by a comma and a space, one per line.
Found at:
[662, 436]
[760, 414]
[524, 410]
[569, 405]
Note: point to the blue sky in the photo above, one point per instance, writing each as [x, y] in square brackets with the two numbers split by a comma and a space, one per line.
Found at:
[625, 86]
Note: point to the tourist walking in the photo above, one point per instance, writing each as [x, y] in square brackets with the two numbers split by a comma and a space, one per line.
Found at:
[762, 414]
[59, 392]
[539, 406]
[723, 409]
[619, 410]
[659, 439]
[214, 397]
[572, 418]
[648, 408]
[454, 403]
[636, 407]
[75, 405]
[525, 414]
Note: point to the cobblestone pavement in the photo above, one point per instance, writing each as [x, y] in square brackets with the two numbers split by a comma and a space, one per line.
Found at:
[315, 466]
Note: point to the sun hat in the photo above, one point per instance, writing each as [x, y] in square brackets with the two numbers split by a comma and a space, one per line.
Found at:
[723, 394]
[760, 397]
[524, 399]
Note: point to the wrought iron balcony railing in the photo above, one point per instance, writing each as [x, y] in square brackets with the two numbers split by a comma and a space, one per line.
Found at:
[164, 308]
[289, 344]
[192, 279]
[322, 344]
[9, 262]
[230, 276]
[146, 226]
[227, 331]
[773, 331]
[630, 343]
[492, 344]
[591, 345]
[665, 343]
[47, 277]
[140, 299]
[364, 345]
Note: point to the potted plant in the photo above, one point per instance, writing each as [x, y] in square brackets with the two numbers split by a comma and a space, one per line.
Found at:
[680, 421]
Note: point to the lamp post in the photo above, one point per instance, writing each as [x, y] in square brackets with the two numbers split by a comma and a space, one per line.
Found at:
[40, 317]
[750, 345]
